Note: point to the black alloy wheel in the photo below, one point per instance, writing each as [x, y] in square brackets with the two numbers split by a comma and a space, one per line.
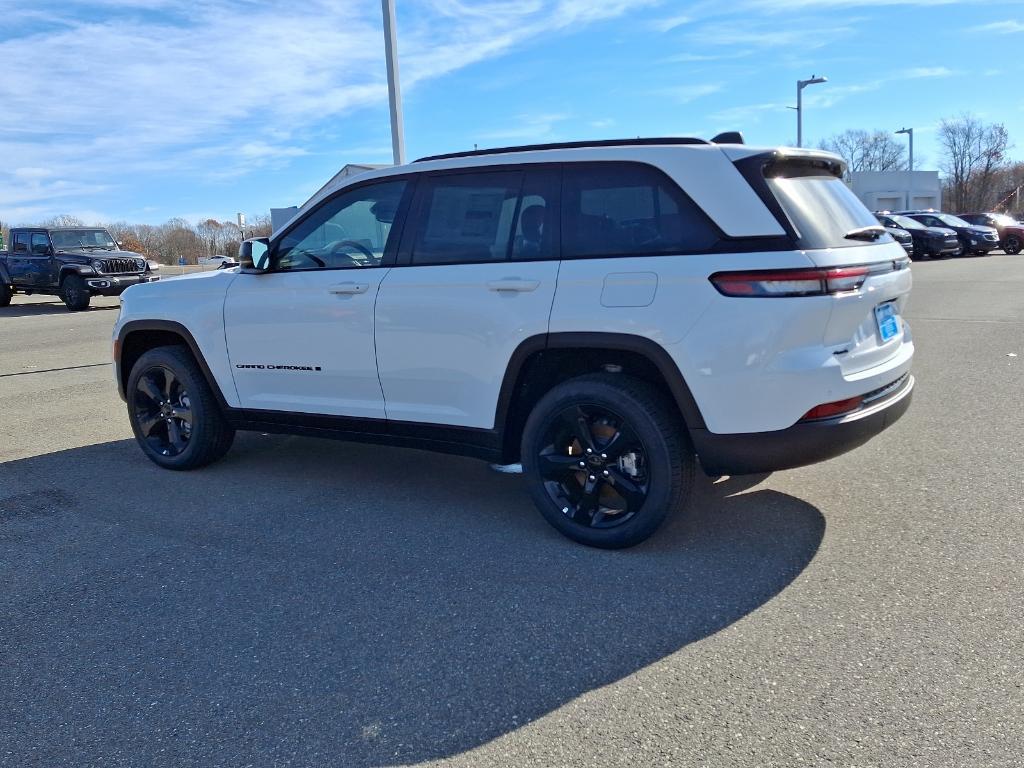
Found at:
[594, 466]
[5, 295]
[75, 293]
[173, 412]
[1012, 245]
[606, 457]
[163, 411]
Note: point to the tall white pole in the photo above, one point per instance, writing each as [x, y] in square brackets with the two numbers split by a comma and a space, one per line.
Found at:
[394, 93]
[799, 115]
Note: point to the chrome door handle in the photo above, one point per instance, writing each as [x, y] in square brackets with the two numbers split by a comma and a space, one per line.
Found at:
[347, 289]
[513, 284]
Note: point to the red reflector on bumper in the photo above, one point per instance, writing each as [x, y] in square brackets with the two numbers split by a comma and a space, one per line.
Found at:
[826, 410]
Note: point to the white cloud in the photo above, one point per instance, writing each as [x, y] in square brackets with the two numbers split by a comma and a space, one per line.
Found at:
[670, 23]
[214, 89]
[1010, 26]
[527, 128]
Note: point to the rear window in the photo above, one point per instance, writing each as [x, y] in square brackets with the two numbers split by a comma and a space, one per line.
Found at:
[821, 208]
[628, 209]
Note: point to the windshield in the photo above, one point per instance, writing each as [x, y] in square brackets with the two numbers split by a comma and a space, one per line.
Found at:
[908, 223]
[1003, 220]
[822, 209]
[82, 238]
[953, 221]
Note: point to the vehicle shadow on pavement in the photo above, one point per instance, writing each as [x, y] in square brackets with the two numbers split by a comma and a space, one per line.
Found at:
[36, 309]
[315, 602]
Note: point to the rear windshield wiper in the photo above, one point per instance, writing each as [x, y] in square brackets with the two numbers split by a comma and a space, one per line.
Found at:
[870, 232]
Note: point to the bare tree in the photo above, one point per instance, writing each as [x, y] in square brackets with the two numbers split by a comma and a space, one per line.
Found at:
[62, 220]
[973, 153]
[867, 151]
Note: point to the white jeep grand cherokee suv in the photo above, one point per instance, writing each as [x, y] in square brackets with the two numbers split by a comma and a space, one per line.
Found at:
[606, 313]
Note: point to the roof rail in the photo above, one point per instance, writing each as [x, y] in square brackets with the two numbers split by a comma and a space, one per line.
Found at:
[567, 145]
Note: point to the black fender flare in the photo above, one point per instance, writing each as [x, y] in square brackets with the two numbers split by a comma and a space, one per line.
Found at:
[82, 270]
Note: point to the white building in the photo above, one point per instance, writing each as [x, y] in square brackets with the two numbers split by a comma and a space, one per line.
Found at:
[281, 216]
[897, 190]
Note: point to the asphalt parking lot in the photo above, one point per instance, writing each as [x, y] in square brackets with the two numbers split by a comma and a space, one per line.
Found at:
[309, 603]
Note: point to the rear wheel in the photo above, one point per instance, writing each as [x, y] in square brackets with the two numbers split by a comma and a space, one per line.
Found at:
[74, 293]
[173, 412]
[5, 295]
[1013, 245]
[606, 459]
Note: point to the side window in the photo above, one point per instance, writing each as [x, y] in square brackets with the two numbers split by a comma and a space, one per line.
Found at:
[21, 242]
[535, 234]
[350, 230]
[628, 209]
[40, 244]
[466, 218]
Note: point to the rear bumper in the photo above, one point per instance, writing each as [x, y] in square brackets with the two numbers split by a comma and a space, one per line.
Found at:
[803, 443]
[114, 285]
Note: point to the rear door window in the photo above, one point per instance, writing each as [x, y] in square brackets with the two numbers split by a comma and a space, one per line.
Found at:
[820, 207]
[21, 242]
[629, 209]
[467, 218]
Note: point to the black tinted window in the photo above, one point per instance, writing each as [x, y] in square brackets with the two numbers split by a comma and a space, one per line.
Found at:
[21, 243]
[40, 244]
[466, 218]
[535, 234]
[623, 209]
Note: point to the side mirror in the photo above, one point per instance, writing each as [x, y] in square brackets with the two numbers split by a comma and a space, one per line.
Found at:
[120, 244]
[254, 254]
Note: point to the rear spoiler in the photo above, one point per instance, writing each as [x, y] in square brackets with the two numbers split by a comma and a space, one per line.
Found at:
[789, 161]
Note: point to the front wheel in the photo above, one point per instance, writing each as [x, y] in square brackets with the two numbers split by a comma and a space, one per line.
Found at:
[173, 412]
[74, 293]
[1012, 246]
[606, 458]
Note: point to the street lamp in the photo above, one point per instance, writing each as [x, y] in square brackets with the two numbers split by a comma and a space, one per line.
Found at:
[910, 177]
[394, 93]
[800, 85]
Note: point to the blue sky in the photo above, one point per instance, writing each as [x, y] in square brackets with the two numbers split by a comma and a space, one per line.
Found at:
[142, 110]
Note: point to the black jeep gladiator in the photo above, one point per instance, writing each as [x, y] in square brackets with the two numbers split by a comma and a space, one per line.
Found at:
[75, 263]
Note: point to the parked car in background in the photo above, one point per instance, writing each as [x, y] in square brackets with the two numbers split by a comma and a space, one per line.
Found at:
[973, 239]
[214, 261]
[900, 235]
[934, 242]
[1011, 231]
[74, 263]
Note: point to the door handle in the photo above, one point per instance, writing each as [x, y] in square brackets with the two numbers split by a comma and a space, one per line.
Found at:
[513, 284]
[347, 289]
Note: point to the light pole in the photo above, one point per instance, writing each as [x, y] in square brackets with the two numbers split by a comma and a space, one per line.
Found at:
[394, 93]
[910, 177]
[800, 85]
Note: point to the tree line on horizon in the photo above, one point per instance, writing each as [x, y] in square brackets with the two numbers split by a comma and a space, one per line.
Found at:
[976, 172]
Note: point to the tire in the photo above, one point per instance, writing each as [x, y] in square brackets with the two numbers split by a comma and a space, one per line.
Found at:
[176, 420]
[5, 295]
[74, 293]
[639, 446]
[1013, 245]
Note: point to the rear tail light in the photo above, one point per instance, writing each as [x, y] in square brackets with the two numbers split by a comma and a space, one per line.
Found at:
[836, 408]
[792, 282]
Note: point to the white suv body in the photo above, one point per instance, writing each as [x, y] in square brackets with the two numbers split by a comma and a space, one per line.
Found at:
[436, 304]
